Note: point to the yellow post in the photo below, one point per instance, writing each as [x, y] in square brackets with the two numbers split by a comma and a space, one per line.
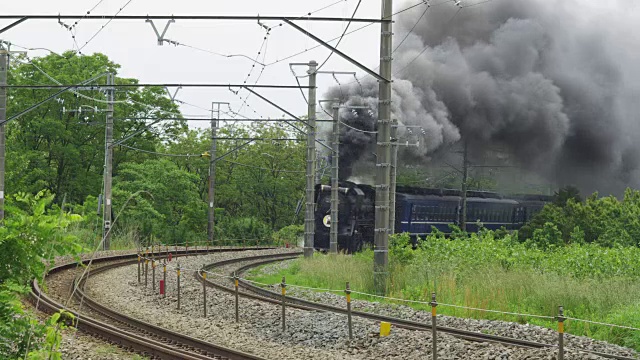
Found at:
[385, 328]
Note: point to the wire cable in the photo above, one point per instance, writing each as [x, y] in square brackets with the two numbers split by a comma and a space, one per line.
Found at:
[104, 26]
[341, 36]
[158, 153]
[356, 129]
[460, 8]
[412, 28]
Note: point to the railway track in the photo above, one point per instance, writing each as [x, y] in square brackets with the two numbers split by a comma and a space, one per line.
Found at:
[136, 335]
[258, 293]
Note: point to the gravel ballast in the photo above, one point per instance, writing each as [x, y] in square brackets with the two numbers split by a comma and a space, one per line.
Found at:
[309, 334]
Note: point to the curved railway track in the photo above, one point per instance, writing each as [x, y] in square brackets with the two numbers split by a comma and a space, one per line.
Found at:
[258, 293]
[136, 335]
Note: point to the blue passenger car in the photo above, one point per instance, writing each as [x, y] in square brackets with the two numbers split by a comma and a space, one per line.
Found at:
[418, 212]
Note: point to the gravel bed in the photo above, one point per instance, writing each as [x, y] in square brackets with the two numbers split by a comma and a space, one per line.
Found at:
[494, 327]
[76, 345]
[309, 334]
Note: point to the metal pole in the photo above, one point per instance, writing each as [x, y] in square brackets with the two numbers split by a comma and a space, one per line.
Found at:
[235, 278]
[204, 291]
[178, 285]
[309, 218]
[153, 274]
[381, 232]
[394, 172]
[333, 234]
[164, 278]
[108, 171]
[283, 285]
[139, 260]
[561, 320]
[146, 272]
[348, 292]
[434, 327]
[465, 175]
[212, 168]
[4, 64]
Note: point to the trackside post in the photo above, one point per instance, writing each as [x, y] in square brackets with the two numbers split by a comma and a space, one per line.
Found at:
[178, 281]
[561, 320]
[283, 285]
[434, 327]
[235, 280]
[348, 292]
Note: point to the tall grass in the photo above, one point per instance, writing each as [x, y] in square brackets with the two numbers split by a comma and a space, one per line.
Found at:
[591, 283]
[121, 239]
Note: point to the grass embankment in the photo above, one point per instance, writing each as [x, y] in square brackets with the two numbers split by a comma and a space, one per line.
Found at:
[591, 282]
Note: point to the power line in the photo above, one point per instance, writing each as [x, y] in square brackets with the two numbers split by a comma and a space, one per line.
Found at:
[408, 33]
[215, 53]
[134, 85]
[426, 47]
[412, 28]
[158, 153]
[460, 8]
[200, 155]
[341, 36]
[269, 28]
[103, 26]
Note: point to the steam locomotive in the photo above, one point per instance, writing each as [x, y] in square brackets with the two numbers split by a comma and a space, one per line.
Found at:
[418, 211]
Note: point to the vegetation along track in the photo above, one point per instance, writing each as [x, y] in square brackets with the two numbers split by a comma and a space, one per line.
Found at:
[258, 293]
[139, 336]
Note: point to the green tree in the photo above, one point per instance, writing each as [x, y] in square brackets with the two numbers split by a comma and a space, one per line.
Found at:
[60, 145]
[262, 180]
[165, 201]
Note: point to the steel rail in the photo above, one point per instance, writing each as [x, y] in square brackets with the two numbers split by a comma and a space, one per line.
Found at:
[276, 298]
[128, 339]
[164, 334]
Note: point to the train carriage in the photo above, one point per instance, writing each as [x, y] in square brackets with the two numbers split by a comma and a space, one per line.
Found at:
[418, 212]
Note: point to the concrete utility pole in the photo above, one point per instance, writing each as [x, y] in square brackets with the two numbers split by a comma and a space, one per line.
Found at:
[108, 170]
[335, 157]
[309, 217]
[212, 168]
[4, 64]
[465, 176]
[394, 172]
[383, 151]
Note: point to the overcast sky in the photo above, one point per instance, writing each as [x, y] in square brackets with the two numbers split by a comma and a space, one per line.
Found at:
[133, 45]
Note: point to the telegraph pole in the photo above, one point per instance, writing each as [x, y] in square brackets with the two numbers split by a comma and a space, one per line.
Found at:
[108, 171]
[4, 64]
[309, 218]
[394, 172]
[335, 156]
[381, 231]
[212, 167]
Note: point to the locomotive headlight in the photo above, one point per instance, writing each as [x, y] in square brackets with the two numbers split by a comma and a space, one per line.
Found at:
[327, 220]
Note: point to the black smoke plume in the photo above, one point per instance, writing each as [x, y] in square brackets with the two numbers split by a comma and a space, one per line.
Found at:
[554, 82]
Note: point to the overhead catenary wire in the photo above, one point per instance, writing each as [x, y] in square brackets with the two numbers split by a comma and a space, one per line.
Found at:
[341, 36]
[349, 33]
[177, 43]
[104, 26]
[460, 8]
[200, 155]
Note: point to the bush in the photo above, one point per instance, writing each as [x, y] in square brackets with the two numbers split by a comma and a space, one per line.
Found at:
[29, 240]
[243, 228]
[604, 221]
[289, 235]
